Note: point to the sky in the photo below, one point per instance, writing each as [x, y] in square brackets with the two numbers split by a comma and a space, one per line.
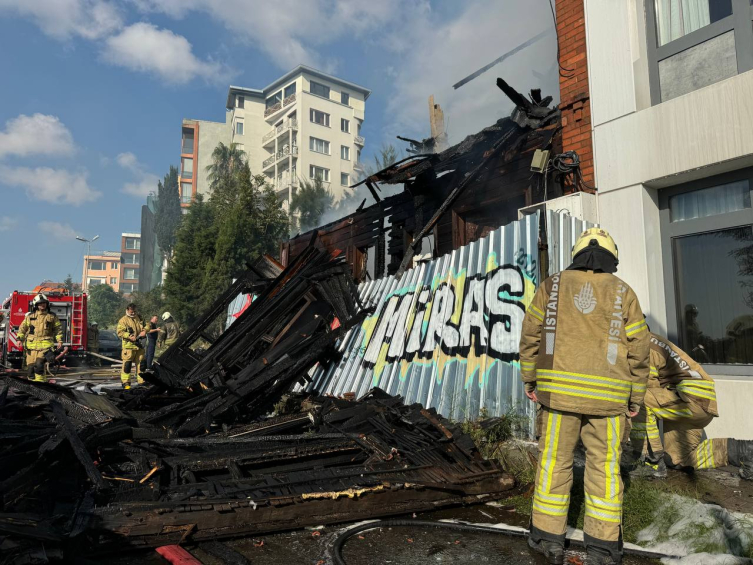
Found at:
[93, 92]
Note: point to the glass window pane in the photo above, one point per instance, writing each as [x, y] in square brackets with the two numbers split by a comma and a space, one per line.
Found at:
[675, 18]
[711, 201]
[714, 278]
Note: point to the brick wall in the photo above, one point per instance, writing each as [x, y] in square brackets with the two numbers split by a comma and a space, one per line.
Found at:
[574, 94]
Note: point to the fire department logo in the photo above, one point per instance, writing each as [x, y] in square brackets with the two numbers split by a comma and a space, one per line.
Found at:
[585, 301]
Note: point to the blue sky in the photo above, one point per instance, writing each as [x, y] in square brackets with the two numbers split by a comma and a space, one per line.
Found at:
[92, 93]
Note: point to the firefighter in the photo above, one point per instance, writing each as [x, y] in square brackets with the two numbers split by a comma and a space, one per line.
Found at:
[39, 331]
[682, 396]
[169, 331]
[584, 357]
[93, 341]
[131, 329]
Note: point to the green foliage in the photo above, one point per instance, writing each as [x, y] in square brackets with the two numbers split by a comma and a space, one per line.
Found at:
[105, 306]
[149, 303]
[241, 220]
[311, 201]
[70, 285]
[387, 155]
[168, 216]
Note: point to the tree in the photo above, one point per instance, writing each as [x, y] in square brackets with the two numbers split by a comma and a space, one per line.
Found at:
[387, 155]
[105, 306]
[194, 250]
[311, 201]
[149, 303]
[227, 162]
[168, 217]
[70, 285]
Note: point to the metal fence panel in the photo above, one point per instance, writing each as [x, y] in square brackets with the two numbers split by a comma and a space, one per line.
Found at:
[446, 333]
[561, 232]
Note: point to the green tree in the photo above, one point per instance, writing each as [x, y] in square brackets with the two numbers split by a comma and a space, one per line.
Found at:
[311, 201]
[70, 285]
[105, 306]
[387, 155]
[168, 217]
[149, 303]
[194, 251]
[227, 162]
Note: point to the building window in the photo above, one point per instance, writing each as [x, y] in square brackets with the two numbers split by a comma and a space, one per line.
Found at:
[97, 265]
[239, 127]
[707, 239]
[319, 89]
[319, 145]
[289, 90]
[240, 102]
[345, 179]
[187, 145]
[319, 173]
[345, 152]
[130, 258]
[113, 265]
[345, 125]
[133, 243]
[240, 147]
[345, 98]
[187, 168]
[94, 282]
[319, 117]
[358, 127]
[186, 189]
[695, 43]
[276, 98]
[131, 274]
[128, 288]
[113, 280]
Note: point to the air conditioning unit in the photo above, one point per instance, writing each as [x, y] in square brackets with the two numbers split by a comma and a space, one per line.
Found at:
[581, 205]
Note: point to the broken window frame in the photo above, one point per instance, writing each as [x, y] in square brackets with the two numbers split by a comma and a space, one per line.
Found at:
[740, 23]
[697, 226]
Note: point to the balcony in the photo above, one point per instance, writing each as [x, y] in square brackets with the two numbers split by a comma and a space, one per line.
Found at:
[267, 136]
[358, 166]
[287, 150]
[279, 106]
[269, 161]
[291, 123]
[359, 140]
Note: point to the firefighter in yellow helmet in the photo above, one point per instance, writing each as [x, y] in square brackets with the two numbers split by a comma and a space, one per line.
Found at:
[584, 357]
[683, 397]
[131, 328]
[39, 331]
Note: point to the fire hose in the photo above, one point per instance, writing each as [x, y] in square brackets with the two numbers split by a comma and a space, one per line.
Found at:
[337, 546]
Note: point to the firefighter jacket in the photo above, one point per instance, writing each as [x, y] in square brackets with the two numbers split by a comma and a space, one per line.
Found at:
[585, 345]
[93, 338]
[673, 369]
[128, 327]
[169, 332]
[41, 330]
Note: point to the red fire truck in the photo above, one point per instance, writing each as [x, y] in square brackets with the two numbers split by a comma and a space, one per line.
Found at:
[70, 308]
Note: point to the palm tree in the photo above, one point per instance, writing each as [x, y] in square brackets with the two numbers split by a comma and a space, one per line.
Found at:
[311, 200]
[226, 160]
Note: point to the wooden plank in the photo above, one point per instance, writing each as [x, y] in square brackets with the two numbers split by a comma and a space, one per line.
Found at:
[78, 446]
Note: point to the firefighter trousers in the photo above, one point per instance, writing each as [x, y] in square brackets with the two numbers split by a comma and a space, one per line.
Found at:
[602, 437]
[35, 364]
[683, 424]
[131, 357]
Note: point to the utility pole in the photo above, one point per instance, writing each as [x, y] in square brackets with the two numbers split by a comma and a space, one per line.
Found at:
[84, 285]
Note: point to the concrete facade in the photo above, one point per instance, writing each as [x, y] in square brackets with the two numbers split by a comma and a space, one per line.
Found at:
[643, 152]
[274, 127]
[130, 266]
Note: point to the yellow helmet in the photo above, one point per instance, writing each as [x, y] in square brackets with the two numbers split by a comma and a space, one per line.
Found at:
[595, 236]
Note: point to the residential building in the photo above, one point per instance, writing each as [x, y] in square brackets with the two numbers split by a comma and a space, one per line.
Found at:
[130, 251]
[304, 125]
[101, 268]
[151, 255]
[657, 97]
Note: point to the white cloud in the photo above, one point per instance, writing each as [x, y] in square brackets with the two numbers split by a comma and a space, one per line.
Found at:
[63, 19]
[145, 48]
[7, 223]
[439, 55]
[291, 31]
[57, 230]
[39, 134]
[145, 182]
[56, 186]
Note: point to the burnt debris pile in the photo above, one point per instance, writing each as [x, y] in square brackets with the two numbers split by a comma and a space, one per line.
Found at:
[217, 446]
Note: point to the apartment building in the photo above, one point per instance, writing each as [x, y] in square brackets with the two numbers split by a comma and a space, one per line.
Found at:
[657, 98]
[101, 268]
[305, 125]
[130, 252]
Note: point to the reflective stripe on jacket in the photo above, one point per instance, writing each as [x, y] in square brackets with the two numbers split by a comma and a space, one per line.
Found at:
[674, 369]
[128, 327]
[585, 344]
[41, 330]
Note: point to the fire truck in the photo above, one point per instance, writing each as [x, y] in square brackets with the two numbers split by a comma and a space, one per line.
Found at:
[70, 308]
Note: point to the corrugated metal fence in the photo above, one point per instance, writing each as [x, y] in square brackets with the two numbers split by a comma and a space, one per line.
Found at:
[446, 333]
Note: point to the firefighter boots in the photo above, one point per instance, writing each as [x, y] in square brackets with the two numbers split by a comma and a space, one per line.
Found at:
[553, 551]
[646, 469]
[740, 454]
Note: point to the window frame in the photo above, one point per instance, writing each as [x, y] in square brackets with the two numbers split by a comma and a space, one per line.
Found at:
[344, 98]
[312, 172]
[697, 226]
[347, 177]
[240, 101]
[325, 144]
[346, 122]
[239, 127]
[319, 84]
[343, 149]
[135, 273]
[98, 262]
[740, 23]
[183, 161]
[327, 117]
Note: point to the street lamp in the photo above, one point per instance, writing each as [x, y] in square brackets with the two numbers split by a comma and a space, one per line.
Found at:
[88, 243]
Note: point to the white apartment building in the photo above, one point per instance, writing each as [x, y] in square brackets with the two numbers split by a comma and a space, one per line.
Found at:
[671, 93]
[305, 125]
